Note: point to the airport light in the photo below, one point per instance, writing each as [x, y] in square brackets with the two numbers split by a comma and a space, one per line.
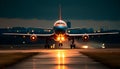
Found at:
[85, 46]
[49, 30]
[103, 45]
[68, 31]
[24, 36]
[98, 31]
[17, 31]
[52, 46]
[32, 31]
[23, 42]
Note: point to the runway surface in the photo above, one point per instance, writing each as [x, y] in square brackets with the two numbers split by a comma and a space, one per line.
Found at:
[57, 59]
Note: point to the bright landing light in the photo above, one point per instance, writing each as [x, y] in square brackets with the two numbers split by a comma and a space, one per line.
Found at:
[103, 45]
[58, 38]
[62, 38]
[85, 47]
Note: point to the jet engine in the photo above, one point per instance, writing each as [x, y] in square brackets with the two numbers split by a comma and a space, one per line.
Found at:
[33, 37]
[85, 38]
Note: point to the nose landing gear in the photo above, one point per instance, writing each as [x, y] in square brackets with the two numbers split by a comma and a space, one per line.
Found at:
[72, 44]
[60, 44]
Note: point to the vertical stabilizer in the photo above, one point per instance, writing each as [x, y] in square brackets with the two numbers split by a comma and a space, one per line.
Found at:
[60, 13]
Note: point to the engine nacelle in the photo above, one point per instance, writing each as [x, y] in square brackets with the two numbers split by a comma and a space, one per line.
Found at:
[33, 37]
[85, 38]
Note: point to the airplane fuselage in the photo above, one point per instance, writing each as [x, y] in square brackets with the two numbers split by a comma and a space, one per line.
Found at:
[60, 27]
[60, 30]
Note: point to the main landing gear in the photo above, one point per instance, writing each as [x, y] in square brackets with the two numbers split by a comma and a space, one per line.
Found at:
[47, 44]
[72, 44]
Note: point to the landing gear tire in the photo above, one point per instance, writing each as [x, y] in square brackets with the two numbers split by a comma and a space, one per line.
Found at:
[72, 44]
[60, 44]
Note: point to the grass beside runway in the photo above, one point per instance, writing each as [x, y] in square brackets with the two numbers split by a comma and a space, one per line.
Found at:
[108, 58]
[7, 59]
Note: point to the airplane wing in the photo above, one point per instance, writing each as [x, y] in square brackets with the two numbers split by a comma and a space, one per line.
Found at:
[27, 34]
[93, 34]
[81, 32]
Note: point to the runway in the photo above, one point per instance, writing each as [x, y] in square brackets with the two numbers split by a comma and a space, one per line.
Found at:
[57, 59]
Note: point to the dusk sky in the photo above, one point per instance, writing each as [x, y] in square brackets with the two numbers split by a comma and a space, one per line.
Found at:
[43, 13]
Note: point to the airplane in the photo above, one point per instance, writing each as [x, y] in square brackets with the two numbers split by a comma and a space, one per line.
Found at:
[60, 33]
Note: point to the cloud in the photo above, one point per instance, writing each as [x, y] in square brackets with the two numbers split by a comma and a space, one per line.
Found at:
[7, 22]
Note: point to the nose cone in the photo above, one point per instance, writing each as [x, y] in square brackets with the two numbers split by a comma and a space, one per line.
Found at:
[60, 26]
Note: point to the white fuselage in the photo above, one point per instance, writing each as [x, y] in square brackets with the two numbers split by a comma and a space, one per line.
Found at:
[60, 27]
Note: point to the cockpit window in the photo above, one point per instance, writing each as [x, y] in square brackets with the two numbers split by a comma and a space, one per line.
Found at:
[60, 23]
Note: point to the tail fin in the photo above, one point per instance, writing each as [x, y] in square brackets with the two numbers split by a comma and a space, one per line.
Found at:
[60, 13]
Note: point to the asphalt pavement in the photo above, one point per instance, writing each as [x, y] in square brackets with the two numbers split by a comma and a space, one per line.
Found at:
[57, 59]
